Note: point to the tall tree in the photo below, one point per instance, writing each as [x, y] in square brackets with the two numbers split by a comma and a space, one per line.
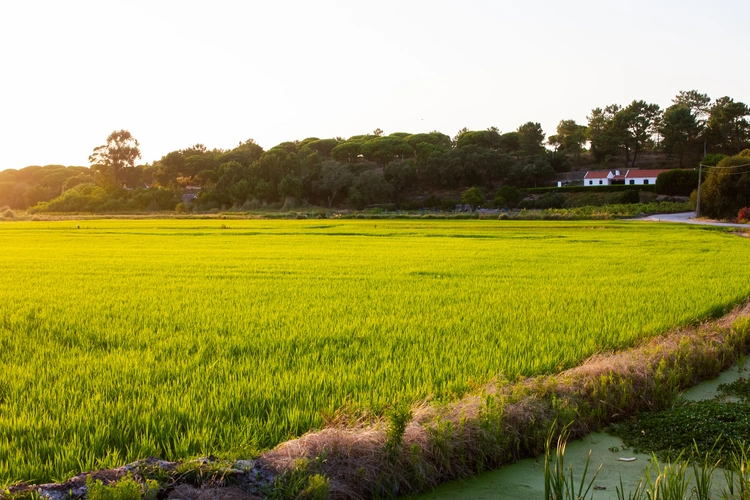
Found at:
[638, 118]
[680, 129]
[601, 132]
[570, 137]
[728, 127]
[531, 138]
[120, 152]
[699, 104]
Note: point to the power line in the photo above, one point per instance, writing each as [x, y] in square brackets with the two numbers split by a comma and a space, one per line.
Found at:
[722, 168]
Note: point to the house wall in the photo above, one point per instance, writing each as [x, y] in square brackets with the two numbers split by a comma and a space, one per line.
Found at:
[604, 182]
[641, 181]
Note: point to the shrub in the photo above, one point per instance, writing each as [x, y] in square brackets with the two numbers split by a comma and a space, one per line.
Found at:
[677, 182]
[726, 189]
[8, 214]
[743, 216]
[630, 197]
[432, 201]
[510, 194]
[550, 200]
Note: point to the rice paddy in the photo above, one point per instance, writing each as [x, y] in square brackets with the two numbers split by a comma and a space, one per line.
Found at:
[175, 338]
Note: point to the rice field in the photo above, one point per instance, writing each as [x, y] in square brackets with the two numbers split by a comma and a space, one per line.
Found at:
[175, 338]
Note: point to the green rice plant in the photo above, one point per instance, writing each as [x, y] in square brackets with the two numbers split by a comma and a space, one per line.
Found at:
[175, 338]
[125, 489]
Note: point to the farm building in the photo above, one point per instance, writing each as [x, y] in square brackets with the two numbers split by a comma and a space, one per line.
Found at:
[614, 177]
[642, 177]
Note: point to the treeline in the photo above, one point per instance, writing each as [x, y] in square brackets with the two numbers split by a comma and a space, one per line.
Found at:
[404, 169]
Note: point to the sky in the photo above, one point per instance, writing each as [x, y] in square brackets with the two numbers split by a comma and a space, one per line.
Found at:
[177, 73]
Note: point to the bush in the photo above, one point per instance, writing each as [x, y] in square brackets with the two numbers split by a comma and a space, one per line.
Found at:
[8, 214]
[631, 197]
[550, 200]
[677, 182]
[726, 189]
[743, 216]
[511, 194]
[432, 201]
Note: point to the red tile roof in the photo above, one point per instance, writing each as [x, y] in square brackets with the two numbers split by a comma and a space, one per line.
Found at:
[642, 174]
[597, 175]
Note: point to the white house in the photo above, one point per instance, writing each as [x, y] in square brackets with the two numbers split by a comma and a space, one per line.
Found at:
[597, 178]
[631, 177]
[642, 177]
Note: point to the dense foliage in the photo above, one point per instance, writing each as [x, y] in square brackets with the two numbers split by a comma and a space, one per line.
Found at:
[404, 169]
[235, 335]
[727, 187]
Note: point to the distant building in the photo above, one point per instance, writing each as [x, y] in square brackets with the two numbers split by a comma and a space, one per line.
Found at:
[614, 177]
[642, 177]
[598, 177]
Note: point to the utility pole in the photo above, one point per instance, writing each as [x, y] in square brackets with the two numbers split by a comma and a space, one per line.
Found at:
[698, 201]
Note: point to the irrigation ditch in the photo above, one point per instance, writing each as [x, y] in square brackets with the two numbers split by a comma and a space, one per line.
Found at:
[413, 449]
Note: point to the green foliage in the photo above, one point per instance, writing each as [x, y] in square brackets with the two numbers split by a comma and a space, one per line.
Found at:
[473, 197]
[680, 129]
[111, 159]
[677, 182]
[558, 480]
[713, 159]
[89, 198]
[631, 196]
[531, 139]
[232, 341]
[398, 418]
[510, 193]
[726, 188]
[708, 423]
[124, 489]
[739, 389]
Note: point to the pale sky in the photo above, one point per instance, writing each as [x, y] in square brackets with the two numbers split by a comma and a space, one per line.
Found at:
[176, 73]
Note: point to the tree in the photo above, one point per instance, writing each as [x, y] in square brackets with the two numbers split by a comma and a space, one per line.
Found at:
[383, 150]
[601, 132]
[638, 121]
[120, 152]
[472, 197]
[570, 137]
[693, 100]
[334, 179]
[727, 188]
[290, 187]
[531, 138]
[489, 139]
[680, 129]
[347, 151]
[628, 129]
[728, 127]
[401, 175]
[369, 187]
